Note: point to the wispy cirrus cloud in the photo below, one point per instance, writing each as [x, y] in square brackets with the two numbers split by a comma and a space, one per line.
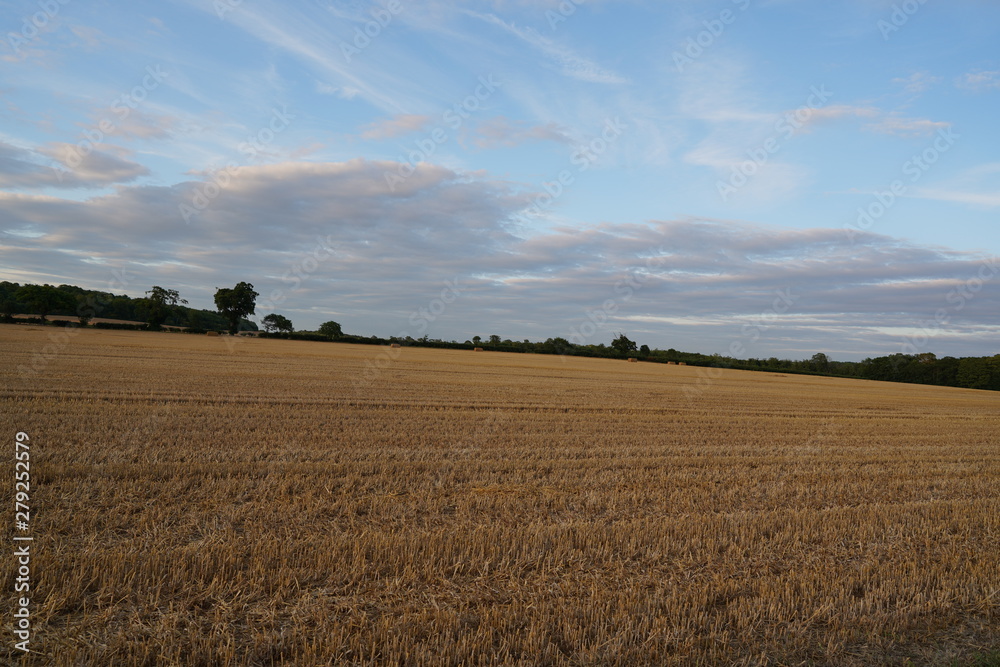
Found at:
[501, 131]
[394, 248]
[345, 92]
[907, 127]
[918, 82]
[984, 199]
[977, 187]
[61, 165]
[979, 81]
[306, 36]
[561, 58]
[395, 126]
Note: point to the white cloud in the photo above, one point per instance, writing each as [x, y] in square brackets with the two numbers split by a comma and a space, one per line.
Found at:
[313, 42]
[393, 250]
[977, 187]
[564, 59]
[984, 199]
[395, 126]
[501, 131]
[346, 92]
[838, 111]
[917, 83]
[907, 127]
[99, 165]
[980, 81]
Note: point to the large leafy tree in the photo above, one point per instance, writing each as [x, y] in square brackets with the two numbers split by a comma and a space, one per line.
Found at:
[44, 299]
[8, 308]
[820, 362]
[623, 344]
[236, 303]
[331, 329]
[275, 322]
[160, 304]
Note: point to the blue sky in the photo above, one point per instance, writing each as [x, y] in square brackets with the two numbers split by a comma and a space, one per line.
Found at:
[765, 178]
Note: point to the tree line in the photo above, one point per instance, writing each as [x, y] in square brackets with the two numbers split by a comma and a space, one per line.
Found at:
[160, 307]
[164, 307]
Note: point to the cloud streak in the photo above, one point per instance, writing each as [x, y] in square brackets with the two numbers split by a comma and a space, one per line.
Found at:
[561, 58]
[395, 126]
[61, 165]
[501, 131]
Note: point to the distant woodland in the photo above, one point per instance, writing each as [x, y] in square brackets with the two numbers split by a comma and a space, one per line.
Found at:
[106, 305]
[921, 368]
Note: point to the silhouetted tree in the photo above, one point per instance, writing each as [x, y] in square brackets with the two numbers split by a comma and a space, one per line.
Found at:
[623, 344]
[331, 329]
[160, 304]
[820, 362]
[275, 322]
[236, 303]
[43, 299]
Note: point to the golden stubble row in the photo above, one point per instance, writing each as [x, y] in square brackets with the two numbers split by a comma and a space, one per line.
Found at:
[276, 501]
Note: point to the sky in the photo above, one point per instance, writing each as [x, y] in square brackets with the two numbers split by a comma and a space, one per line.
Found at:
[744, 177]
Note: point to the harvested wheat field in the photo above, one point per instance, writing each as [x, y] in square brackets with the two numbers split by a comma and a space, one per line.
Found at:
[210, 501]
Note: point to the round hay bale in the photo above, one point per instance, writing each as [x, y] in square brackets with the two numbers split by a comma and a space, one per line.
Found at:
[478, 349]
[211, 333]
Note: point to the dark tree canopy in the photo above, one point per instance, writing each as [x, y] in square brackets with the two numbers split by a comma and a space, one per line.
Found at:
[331, 329]
[160, 304]
[820, 362]
[8, 308]
[623, 344]
[275, 322]
[43, 299]
[236, 303]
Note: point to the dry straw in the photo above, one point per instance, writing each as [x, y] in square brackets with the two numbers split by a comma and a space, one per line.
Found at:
[258, 508]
